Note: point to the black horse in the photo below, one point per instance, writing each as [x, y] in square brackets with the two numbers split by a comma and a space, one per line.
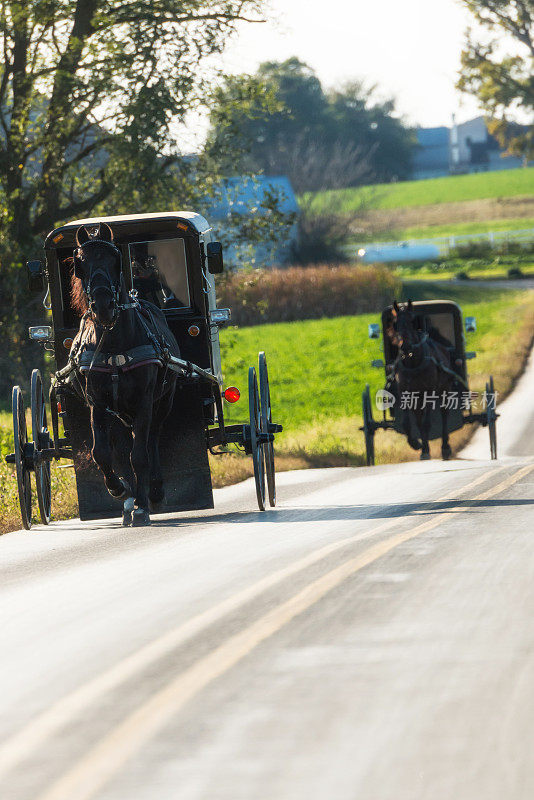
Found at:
[422, 370]
[120, 352]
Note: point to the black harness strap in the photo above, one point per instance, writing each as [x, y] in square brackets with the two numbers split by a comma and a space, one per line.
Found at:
[115, 385]
[427, 356]
[105, 362]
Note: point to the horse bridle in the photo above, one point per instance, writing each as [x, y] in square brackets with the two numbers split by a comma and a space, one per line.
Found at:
[109, 286]
[400, 340]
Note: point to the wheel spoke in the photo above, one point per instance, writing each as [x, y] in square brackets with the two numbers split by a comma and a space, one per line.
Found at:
[21, 464]
[41, 440]
[255, 429]
[266, 420]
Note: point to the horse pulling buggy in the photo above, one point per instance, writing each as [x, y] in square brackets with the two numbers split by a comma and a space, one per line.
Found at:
[425, 359]
[136, 400]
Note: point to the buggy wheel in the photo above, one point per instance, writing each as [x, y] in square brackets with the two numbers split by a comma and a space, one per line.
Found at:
[255, 430]
[41, 440]
[368, 427]
[53, 399]
[491, 416]
[266, 420]
[22, 463]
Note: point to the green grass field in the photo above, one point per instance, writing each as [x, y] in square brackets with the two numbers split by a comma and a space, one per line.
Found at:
[462, 228]
[318, 370]
[457, 188]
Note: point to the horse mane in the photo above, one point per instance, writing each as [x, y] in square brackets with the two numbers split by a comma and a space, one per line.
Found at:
[78, 297]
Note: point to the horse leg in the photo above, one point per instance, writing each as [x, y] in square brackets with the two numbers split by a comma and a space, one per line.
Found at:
[122, 448]
[101, 452]
[445, 446]
[423, 422]
[413, 441]
[156, 491]
[140, 460]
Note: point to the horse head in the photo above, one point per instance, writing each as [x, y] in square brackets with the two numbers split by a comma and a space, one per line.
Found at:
[407, 335]
[97, 264]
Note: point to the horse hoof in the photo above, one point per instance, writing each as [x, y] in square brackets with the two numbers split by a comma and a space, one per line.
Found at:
[446, 453]
[127, 512]
[140, 518]
[425, 456]
[415, 444]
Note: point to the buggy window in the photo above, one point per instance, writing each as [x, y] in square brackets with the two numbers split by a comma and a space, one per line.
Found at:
[444, 324]
[159, 271]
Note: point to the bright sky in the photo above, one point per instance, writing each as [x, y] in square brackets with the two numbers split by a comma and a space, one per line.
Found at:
[410, 48]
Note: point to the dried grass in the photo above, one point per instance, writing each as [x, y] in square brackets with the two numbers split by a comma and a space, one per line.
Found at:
[296, 293]
[382, 221]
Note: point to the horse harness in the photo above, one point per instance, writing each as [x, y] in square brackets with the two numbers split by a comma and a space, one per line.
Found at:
[84, 361]
[398, 364]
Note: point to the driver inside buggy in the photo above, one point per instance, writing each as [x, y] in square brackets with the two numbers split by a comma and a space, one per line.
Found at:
[159, 272]
[422, 324]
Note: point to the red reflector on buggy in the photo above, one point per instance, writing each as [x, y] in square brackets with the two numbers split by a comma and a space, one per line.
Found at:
[59, 408]
[232, 394]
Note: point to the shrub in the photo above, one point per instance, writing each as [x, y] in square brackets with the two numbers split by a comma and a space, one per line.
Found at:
[284, 295]
[515, 272]
[511, 248]
[474, 249]
[483, 249]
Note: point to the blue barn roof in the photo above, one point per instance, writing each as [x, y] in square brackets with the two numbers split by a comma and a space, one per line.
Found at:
[241, 195]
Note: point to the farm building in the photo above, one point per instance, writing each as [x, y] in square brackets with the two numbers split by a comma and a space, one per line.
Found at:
[251, 196]
[431, 158]
[462, 148]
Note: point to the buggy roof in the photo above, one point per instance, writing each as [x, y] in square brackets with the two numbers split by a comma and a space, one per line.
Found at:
[145, 221]
[442, 306]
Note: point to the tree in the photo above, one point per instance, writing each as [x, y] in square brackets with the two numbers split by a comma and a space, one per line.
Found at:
[303, 119]
[375, 128]
[88, 91]
[85, 76]
[499, 72]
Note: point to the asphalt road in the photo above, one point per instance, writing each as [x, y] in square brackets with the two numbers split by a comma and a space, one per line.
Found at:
[370, 638]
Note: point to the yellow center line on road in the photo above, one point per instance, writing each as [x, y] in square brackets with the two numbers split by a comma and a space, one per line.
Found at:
[100, 764]
[43, 726]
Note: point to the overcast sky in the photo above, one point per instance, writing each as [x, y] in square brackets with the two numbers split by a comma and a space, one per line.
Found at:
[410, 48]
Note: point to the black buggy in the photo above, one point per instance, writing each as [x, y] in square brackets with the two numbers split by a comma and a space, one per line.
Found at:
[168, 259]
[444, 319]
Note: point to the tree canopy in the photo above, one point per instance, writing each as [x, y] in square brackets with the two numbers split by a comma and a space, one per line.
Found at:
[499, 71]
[85, 78]
[320, 139]
[89, 92]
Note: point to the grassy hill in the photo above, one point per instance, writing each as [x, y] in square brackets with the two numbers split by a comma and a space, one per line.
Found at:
[451, 189]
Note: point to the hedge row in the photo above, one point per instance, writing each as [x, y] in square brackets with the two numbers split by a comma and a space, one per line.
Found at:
[284, 295]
